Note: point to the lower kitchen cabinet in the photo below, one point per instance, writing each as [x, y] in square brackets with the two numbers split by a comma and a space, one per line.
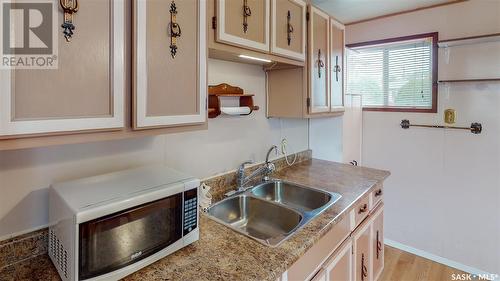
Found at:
[360, 257]
[377, 236]
[339, 266]
[362, 252]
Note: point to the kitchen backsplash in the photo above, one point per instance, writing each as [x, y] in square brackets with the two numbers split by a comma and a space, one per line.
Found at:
[35, 243]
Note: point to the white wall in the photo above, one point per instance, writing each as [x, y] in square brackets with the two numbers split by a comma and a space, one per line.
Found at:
[443, 196]
[325, 136]
[26, 174]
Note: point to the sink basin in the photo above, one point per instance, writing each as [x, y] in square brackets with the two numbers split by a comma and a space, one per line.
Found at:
[272, 211]
[266, 222]
[292, 195]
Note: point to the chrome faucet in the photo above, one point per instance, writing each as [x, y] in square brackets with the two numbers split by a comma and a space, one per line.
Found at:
[265, 170]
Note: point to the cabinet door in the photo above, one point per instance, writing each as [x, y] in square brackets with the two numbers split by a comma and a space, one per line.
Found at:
[85, 91]
[362, 252]
[288, 28]
[339, 267]
[244, 23]
[378, 241]
[337, 65]
[169, 71]
[319, 34]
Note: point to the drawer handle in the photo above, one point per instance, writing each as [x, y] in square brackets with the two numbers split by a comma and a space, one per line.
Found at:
[247, 12]
[364, 270]
[175, 29]
[378, 193]
[69, 7]
[289, 29]
[363, 209]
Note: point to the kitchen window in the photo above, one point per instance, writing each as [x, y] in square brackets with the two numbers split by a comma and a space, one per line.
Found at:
[397, 74]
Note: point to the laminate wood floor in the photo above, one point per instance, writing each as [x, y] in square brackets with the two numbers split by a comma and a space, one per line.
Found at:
[403, 266]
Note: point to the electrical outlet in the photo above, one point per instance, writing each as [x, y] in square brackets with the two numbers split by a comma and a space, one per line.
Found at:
[284, 144]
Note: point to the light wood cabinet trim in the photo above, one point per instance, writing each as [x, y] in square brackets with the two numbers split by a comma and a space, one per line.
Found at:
[313, 12]
[140, 88]
[10, 128]
[336, 25]
[282, 51]
[223, 36]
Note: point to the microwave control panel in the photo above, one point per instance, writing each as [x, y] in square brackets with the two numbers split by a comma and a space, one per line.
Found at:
[190, 210]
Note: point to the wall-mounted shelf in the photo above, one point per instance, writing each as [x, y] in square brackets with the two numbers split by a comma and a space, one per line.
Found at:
[470, 80]
[495, 37]
[246, 105]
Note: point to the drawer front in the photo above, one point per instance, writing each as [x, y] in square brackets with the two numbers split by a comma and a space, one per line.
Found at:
[311, 261]
[360, 211]
[376, 196]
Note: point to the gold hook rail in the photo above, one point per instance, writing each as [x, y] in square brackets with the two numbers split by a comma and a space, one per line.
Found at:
[475, 128]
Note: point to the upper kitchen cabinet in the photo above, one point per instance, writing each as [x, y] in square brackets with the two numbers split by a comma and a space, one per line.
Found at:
[318, 61]
[83, 90]
[288, 28]
[243, 23]
[336, 66]
[170, 68]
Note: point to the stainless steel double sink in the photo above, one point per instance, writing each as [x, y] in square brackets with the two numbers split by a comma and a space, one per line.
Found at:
[272, 211]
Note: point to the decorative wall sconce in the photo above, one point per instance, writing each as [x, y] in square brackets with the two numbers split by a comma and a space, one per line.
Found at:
[69, 7]
[175, 29]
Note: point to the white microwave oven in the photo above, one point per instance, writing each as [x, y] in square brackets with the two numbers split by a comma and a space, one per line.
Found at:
[108, 226]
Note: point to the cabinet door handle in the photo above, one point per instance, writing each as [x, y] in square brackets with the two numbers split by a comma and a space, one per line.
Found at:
[363, 209]
[337, 69]
[364, 269]
[379, 245]
[175, 29]
[247, 12]
[289, 29]
[378, 193]
[320, 63]
[69, 8]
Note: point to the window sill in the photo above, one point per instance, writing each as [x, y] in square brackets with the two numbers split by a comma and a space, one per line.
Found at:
[401, 109]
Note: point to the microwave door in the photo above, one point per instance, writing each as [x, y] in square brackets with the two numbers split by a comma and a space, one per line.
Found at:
[120, 239]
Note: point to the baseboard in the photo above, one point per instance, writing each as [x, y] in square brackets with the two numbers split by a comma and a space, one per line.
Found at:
[438, 259]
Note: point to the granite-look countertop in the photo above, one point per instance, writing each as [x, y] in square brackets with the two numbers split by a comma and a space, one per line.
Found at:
[222, 254]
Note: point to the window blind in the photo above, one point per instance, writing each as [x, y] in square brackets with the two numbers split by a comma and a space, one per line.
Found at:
[397, 74]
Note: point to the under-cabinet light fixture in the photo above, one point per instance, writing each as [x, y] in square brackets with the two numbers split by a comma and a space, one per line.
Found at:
[253, 58]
